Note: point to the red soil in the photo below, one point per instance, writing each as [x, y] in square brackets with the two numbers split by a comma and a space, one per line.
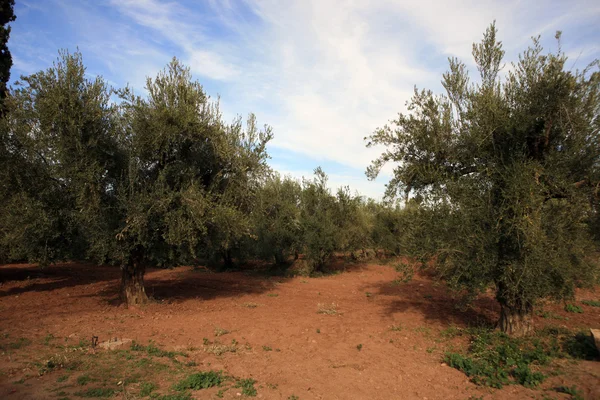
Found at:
[79, 301]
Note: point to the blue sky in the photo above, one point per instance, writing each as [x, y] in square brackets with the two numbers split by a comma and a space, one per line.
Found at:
[324, 74]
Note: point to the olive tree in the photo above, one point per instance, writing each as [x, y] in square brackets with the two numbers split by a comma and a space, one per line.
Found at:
[354, 223]
[505, 166]
[318, 227]
[61, 165]
[191, 178]
[276, 219]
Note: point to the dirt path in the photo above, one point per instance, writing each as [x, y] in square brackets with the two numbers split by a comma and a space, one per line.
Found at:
[349, 352]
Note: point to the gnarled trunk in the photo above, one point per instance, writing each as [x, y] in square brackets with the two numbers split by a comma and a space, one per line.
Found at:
[279, 257]
[132, 284]
[516, 321]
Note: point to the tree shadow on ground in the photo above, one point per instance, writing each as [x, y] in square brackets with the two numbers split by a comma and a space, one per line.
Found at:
[435, 302]
[184, 283]
[168, 285]
[53, 277]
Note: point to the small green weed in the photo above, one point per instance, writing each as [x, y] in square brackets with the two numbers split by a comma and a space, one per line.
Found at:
[318, 330]
[293, 397]
[247, 386]
[176, 396]
[495, 360]
[451, 332]
[572, 308]
[62, 378]
[551, 315]
[368, 294]
[146, 388]
[424, 330]
[96, 392]
[267, 348]
[152, 350]
[48, 338]
[200, 380]
[273, 295]
[591, 303]
[84, 380]
[21, 342]
[396, 328]
[359, 347]
[570, 390]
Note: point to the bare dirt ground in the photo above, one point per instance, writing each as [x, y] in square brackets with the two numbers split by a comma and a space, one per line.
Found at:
[375, 338]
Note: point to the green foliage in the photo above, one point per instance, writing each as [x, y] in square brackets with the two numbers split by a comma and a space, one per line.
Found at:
[247, 386]
[159, 180]
[96, 393]
[200, 380]
[591, 303]
[572, 308]
[84, 380]
[146, 389]
[7, 15]
[152, 350]
[60, 145]
[495, 359]
[316, 218]
[570, 390]
[21, 342]
[501, 172]
[277, 219]
[176, 396]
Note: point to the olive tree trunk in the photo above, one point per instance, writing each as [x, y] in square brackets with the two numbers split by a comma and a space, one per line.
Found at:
[515, 321]
[132, 284]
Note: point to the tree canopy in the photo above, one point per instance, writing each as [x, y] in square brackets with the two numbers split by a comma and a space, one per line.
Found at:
[507, 168]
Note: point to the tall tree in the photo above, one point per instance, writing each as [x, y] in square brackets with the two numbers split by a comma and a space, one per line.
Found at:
[277, 219]
[7, 15]
[191, 178]
[506, 168]
[60, 164]
[319, 231]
